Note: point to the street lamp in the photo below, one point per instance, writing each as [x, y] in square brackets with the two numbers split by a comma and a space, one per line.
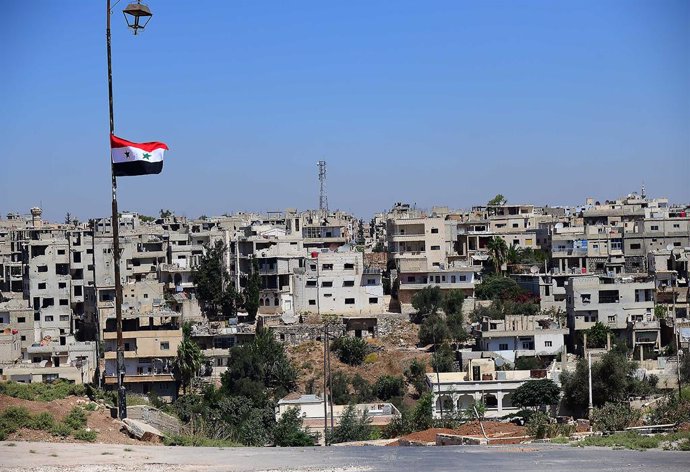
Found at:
[138, 12]
[137, 16]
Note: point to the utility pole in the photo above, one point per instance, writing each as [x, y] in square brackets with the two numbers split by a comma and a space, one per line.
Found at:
[591, 404]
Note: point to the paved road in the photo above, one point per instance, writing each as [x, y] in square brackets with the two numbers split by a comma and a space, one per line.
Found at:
[57, 457]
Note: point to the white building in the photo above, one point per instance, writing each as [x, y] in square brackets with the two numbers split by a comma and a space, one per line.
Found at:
[338, 283]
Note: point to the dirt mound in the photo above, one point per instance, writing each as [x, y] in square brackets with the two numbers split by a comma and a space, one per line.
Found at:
[494, 430]
[107, 428]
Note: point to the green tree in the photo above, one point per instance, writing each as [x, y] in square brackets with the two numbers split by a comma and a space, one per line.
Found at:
[350, 350]
[363, 391]
[498, 288]
[433, 330]
[214, 287]
[388, 386]
[443, 359]
[340, 388]
[259, 370]
[497, 200]
[428, 300]
[289, 432]
[415, 375]
[452, 302]
[612, 381]
[352, 427]
[253, 291]
[498, 251]
[536, 394]
[597, 335]
[422, 415]
[189, 358]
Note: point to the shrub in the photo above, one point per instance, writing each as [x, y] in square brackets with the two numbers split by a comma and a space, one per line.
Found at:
[371, 358]
[614, 417]
[198, 441]
[84, 435]
[16, 416]
[41, 391]
[352, 427]
[289, 431]
[43, 421]
[351, 350]
[60, 429]
[538, 425]
[388, 386]
[415, 374]
[76, 418]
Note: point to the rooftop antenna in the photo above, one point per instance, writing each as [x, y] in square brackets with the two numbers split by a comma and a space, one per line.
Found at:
[323, 199]
[644, 193]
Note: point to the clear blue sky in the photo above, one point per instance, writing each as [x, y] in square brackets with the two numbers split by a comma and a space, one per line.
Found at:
[438, 102]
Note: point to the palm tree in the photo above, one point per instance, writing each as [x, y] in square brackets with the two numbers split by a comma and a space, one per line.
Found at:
[515, 255]
[189, 358]
[498, 250]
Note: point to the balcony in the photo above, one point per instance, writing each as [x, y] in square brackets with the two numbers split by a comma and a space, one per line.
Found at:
[137, 378]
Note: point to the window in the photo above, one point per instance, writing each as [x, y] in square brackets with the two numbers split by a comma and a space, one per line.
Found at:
[373, 300]
[23, 338]
[21, 319]
[612, 319]
[312, 302]
[64, 317]
[48, 302]
[146, 295]
[608, 296]
[548, 344]
[328, 295]
[327, 284]
[528, 242]
[77, 291]
[452, 279]
[327, 267]
[349, 266]
[77, 257]
[635, 246]
[410, 279]
[61, 252]
[654, 228]
[349, 301]
[348, 283]
[311, 283]
[89, 251]
[49, 318]
[676, 244]
[43, 268]
[434, 230]
[515, 225]
[676, 225]
[64, 302]
[62, 285]
[586, 298]
[165, 346]
[526, 345]
[435, 248]
[503, 347]
[371, 281]
[42, 286]
[516, 242]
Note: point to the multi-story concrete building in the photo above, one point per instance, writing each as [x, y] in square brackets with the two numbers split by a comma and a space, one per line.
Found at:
[615, 302]
[338, 283]
[522, 336]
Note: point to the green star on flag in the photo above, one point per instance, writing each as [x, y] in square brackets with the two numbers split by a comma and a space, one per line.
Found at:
[146, 156]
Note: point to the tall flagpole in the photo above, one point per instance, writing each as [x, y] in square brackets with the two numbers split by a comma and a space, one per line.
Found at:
[115, 220]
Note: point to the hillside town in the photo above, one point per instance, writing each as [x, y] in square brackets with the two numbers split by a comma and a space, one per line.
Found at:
[480, 301]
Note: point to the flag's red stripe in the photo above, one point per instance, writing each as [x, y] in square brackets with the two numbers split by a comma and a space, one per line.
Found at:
[116, 142]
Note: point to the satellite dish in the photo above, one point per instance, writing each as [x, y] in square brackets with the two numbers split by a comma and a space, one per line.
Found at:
[558, 226]
[669, 247]
[534, 269]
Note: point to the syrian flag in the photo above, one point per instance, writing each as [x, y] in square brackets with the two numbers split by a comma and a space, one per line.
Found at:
[136, 158]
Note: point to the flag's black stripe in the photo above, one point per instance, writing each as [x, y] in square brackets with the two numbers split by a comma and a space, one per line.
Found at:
[123, 169]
